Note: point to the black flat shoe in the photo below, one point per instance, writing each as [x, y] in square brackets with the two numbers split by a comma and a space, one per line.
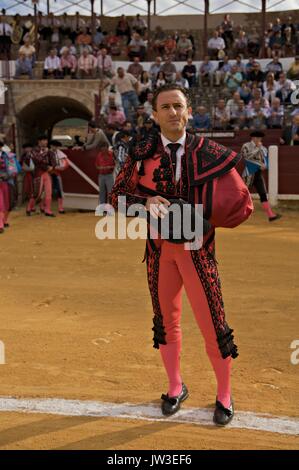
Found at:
[171, 405]
[6, 225]
[49, 215]
[223, 416]
[61, 212]
[275, 217]
[28, 213]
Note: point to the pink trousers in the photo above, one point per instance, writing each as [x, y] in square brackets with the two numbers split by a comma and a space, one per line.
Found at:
[176, 269]
[4, 203]
[46, 186]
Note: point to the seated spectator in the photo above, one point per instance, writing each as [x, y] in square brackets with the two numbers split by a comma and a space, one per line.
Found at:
[169, 70]
[233, 79]
[245, 92]
[289, 24]
[293, 72]
[84, 39]
[223, 68]
[170, 46]
[155, 69]
[201, 121]
[285, 88]
[257, 96]
[276, 115]
[23, 66]
[112, 102]
[233, 104]
[70, 46]
[257, 116]
[139, 25]
[148, 104]
[277, 26]
[181, 81]
[28, 50]
[190, 36]
[276, 44]
[288, 43]
[189, 72]
[87, 65]
[249, 66]
[123, 28]
[253, 45]
[140, 117]
[227, 28]
[240, 65]
[221, 116]
[270, 87]
[137, 47]
[256, 75]
[112, 43]
[215, 44]
[206, 72]
[275, 67]
[158, 40]
[135, 68]
[183, 47]
[290, 134]
[144, 86]
[161, 79]
[115, 117]
[240, 44]
[68, 63]
[105, 64]
[52, 66]
[239, 117]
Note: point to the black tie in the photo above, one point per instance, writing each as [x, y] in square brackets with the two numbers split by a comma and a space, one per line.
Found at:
[173, 150]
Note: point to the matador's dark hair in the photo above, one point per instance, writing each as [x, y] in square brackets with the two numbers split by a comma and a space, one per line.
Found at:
[170, 87]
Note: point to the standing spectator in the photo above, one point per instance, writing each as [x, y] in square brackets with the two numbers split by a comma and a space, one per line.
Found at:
[105, 64]
[227, 28]
[105, 165]
[233, 79]
[52, 65]
[189, 72]
[5, 37]
[68, 63]
[184, 47]
[23, 66]
[276, 115]
[127, 86]
[223, 68]
[155, 69]
[137, 47]
[169, 70]
[135, 68]
[285, 88]
[123, 28]
[201, 121]
[221, 116]
[215, 44]
[87, 65]
[275, 67]
[95, 137]
[206, 72]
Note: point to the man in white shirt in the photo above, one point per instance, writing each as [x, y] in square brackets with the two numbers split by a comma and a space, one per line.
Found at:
[215, 44]
[105, 64]
[127, 86]
[52, 66]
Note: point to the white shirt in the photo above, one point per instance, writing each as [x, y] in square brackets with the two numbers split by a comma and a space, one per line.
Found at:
[180, 152]
[8, 29]
[52, 63]
[216, 43]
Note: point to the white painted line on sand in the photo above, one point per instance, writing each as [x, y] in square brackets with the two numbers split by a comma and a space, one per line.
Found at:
[148, 412]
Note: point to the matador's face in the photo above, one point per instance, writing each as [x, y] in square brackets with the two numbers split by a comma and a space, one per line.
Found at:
[172, 112]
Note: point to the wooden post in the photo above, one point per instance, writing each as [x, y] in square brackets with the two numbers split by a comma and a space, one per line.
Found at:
[205, 28]
[263, 26]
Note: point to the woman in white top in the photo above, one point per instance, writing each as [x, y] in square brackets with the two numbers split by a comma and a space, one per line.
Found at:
[160, 79]
[270, 87]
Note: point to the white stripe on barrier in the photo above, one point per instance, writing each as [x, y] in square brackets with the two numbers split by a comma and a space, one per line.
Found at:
[84, 176]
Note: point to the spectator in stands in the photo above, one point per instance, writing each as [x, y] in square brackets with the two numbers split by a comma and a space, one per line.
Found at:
[139, 25]
[233, 103]
[293, 72]
[111, 102]
[249, 66]
[105, 64]
[95, 137]
[223, 68]
[275, 67]
[155, 69]
[215, 44]
[148, 104]
[137, 47]
[233, 79]
[23, 66]
[144, 86]
[245, 92]
[83, 40]
[52, 66]
[127, 86]
[123, 28]
[148, 128]
[183, 47]
[169, 46]
[201, 121]
[240, 66]
[227, 28]
[68, 63]
[115, 117]
[87, 65]
[191, 37]
[289, 43]
[256, 75]
[289, 24]
[5, 36]
[140, 117]
[169, 70]
[276, 115]
[135, 68]
[112, 43]
[181, 81]
[253, 42]
[66, 26]
[206, 72]
[189, 72]
[290, 134]
[221, 116]
[241, 43]
[158, 40]
[29, 50]
[276, 44]
[285, 88]
[257, 116]
[277, 26]
[239, 117]
[270, 87]
[257, 95]
[161, 79]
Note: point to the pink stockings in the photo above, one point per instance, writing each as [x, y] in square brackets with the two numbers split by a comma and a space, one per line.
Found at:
[46, 185]
[4, 203]
[177, 269]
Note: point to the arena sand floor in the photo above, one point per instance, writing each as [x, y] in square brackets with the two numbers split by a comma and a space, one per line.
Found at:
[76, 321]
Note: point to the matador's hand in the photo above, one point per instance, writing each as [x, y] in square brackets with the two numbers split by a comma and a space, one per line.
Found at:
[156, 206]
